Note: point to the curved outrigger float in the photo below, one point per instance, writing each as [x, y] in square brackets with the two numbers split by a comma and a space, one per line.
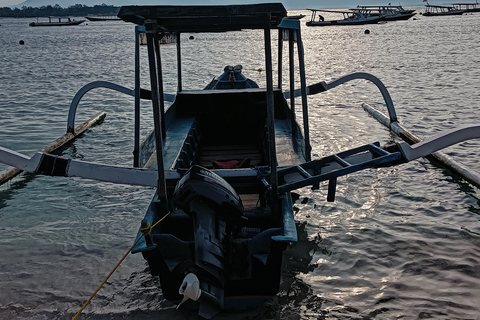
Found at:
[222, 212]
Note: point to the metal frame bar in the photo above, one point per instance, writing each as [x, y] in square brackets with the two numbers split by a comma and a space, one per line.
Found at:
[291, 60]
[179, 64]
[136, 143]
[280, 58]
[151, 30]
[270, 109]
[303, 85]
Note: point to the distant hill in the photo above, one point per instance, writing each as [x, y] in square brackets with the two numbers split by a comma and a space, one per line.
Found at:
[66, 3]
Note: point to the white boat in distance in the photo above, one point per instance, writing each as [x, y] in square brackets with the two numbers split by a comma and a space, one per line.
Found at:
[390, 13]
[103, 18]
[431, 10]
[349, 18]
[52, 22]
[467, 7]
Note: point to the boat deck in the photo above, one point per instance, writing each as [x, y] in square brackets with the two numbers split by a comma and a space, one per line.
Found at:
[212, 127]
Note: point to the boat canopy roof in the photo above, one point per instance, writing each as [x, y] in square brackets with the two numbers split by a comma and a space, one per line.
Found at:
[435, 6]
[333, 11]
[207, 18]
[373, 7]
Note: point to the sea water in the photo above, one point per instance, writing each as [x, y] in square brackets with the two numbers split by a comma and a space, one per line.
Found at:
[400, 242]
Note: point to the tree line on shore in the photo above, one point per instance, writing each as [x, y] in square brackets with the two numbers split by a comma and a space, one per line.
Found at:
[57, 10]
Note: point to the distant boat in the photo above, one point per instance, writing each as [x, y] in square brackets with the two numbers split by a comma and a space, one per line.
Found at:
[390, 13]
[103, 18]
[349, 18]
[467, 7]
[431, 10]
[52, 22]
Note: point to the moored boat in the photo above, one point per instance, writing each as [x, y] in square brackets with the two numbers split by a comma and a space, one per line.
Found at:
[103, 18]
[432, 10]
[467, 6]
[352, 17]
[229, 157]
[389, 13]
[56, 22]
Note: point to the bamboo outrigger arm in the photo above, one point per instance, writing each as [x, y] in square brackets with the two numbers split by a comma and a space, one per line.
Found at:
[438, 142]
[310, 173]
[144, 94]
[323, 86]
[78, 96]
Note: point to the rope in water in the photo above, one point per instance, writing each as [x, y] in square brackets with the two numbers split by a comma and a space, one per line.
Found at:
[145, 231]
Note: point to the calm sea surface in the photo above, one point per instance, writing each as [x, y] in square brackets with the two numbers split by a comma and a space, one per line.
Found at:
[398, 243]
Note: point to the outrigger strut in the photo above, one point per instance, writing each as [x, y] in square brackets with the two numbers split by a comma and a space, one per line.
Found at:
[332, 167]
[290, 178]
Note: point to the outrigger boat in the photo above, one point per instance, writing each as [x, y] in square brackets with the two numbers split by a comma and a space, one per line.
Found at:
[431, 10]
[467, 7]
[229, 157]
[103, 17]
[352, 17]
[56, 22]
[389, 13]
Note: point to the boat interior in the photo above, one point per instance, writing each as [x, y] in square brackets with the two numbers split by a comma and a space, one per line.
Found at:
[229, 125]
[224, 129]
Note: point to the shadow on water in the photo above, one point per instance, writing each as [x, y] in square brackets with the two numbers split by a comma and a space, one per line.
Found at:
[10, 188]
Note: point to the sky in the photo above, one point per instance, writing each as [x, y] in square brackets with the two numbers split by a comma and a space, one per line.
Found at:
[297, 4]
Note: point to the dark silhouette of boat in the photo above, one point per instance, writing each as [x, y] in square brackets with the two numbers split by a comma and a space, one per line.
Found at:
[56, 22]
[467, 7]
[103, 18]
[389, 13]
[350, 18]
[432, 10]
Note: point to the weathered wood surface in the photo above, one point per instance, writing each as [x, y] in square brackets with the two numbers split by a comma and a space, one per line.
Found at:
[12, 172]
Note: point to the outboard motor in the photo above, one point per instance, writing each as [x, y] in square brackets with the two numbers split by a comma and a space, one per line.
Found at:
[211, 202]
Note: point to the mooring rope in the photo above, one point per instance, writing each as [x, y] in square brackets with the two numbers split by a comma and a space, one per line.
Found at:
[145, 231]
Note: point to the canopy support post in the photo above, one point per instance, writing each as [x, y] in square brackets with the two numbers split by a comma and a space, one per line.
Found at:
[153, 59]
[303, 83]
[179, 63]
[136, 146]
[270, 113]
[291, 59]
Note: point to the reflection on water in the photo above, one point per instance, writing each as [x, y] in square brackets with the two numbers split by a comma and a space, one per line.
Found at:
[397, 242]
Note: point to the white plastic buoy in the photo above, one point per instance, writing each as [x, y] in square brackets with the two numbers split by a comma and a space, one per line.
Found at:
[190, 288]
